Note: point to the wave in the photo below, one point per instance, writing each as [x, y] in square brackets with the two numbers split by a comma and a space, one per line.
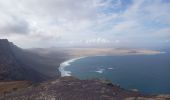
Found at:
[65, 64]
[100, 71]
[110, 68]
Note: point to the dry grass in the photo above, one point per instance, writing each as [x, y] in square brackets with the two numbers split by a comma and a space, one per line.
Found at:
[6, 87]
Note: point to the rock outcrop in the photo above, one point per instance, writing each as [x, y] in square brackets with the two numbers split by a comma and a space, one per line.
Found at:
[70, 88]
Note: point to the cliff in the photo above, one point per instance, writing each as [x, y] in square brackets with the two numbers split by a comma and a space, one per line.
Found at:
[11, 68]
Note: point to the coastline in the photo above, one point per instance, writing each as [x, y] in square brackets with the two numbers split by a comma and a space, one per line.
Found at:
[74, 58]
[80, 56]
[66, 72]
[65, 64]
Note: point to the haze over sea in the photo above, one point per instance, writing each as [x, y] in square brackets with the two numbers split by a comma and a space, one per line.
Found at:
[146, 73]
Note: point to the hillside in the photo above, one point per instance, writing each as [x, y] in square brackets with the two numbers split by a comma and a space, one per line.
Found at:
[70, 88]
[11, 68]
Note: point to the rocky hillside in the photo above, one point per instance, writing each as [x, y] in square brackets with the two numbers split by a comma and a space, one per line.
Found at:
[69, 88]
[11, 68]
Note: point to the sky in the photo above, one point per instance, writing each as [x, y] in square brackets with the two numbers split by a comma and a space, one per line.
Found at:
[94, 23]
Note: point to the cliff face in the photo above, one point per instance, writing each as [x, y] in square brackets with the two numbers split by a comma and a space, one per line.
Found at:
[11, 68]
[8, 63]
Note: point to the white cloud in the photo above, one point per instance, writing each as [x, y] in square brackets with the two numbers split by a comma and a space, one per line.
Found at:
[57, 22]
[125, 26]
[97, 40]
[162, 33]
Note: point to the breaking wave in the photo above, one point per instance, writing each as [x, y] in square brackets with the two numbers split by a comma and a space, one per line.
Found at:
[65, 64]
[100, 71]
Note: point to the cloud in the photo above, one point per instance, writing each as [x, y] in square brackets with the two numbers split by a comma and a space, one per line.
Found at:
[98, 40]
[61, 22]
[14, 26]
[125, 26]
[162, 33]
[142, 21]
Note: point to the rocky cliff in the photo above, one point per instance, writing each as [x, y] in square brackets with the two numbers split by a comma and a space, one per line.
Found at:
[13, 69]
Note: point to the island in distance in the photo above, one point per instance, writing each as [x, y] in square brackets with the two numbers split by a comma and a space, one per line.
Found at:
[32, 74]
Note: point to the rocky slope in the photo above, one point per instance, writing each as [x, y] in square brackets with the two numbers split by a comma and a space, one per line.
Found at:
[13, 69]
[69, 88]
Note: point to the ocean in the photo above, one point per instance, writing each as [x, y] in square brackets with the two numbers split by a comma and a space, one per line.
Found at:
[147, 73]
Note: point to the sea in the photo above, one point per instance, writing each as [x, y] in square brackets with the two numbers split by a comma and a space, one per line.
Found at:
[149, 74]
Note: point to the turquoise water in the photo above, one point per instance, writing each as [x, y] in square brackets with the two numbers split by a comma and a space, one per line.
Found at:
[147, 73]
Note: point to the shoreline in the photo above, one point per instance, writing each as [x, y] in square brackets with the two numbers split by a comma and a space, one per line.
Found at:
[65, 64]
[73, 59]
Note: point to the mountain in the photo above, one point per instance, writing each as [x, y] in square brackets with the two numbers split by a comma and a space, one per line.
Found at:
[46, 64]
[11, 68]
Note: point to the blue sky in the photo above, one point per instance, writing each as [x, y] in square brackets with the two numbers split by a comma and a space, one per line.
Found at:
[109, 23]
